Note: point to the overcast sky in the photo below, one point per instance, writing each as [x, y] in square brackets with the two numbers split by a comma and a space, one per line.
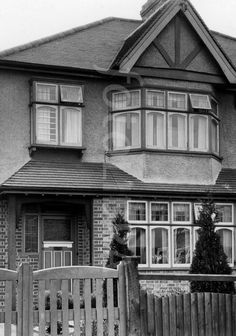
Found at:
[22, 21]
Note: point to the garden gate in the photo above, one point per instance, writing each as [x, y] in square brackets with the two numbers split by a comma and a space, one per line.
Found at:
[77, 304]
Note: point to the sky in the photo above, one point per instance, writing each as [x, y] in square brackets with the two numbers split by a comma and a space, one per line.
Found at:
[23, 21]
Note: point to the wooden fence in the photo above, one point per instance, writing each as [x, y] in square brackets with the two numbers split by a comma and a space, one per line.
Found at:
[196, 314]
[75, 297]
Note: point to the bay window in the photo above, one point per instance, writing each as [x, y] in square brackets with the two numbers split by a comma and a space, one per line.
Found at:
[164, 121]
[164, 234]
[57, 114]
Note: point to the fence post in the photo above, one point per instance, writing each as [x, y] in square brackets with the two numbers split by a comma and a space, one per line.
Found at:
[132, 296]
[25, 300]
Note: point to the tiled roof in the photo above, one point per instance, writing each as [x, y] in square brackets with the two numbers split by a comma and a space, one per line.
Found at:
[92, 46]
[103, 177]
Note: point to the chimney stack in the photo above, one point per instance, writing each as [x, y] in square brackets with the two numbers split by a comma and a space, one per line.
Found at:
[150, 7]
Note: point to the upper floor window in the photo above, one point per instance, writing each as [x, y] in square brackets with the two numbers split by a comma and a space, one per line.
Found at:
[57, 114]
[165, 120]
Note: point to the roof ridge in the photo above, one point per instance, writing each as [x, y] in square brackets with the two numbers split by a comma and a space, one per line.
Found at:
[60, 35]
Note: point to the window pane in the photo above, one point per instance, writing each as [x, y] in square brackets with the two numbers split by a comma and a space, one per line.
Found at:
[56, 229]
[225, 213]
[46, 93]
[159, 212]
[46, 124]
[226, 241]
[156, 99]
[160, 246]
[181, 246]
[156, 130]
[126, 130]
[214, 106]
[123, 100]
[71, 126]
[31, 233]
[137, 211]
[177, 131]
[71, 94]
[199, 133]
[181, 212]
[177, 101]
[137, 244]
[200, 101]
[214, 136]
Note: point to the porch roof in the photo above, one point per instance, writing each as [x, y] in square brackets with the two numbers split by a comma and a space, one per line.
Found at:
[56, 177]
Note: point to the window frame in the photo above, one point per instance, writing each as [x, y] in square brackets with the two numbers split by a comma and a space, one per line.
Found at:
[155, 90]
[165, 124]
[113, 127]
[191, 95]
[151, 228]
[180, 93]
[233, 244]
[232, 213]
[36, 107]
[150, 213]
[181, 222]
[137, 221]
[145, 227]
[185, 148]
[191, 133]
[126, 107]
[190, 247]
[36, 83]
[61, 143]
[213, 120]
[24, 234]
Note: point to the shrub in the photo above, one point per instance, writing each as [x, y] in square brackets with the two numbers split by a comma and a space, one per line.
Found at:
[209, 256]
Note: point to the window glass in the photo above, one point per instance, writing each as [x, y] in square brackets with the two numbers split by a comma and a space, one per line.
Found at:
[160, 246]
[56, 229]
[226, 237]
[199, 101]
[155, 98]
[181, 246]
[71, 94]
[46, 93]
[31, 233]
[177, 101]
[127, 99]
[71, 127]
[214, 136]
[181, 212]
[137, 244]
[126, 128]
[177, 131]
[159, 212]
[198, 133]
[214, 106]
[225, 213]
[46, 124]
[156, 129]
[137, 211]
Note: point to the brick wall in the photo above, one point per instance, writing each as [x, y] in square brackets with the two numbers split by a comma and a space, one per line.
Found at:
[3, 247]
[104, 211]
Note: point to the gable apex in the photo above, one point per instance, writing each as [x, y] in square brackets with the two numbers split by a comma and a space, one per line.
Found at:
[150, 7]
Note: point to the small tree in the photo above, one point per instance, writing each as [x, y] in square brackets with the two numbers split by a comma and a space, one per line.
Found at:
[118, 245]
[209, 256]
[118, 250]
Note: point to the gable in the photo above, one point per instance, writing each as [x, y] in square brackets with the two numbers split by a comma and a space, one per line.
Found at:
[179, 46]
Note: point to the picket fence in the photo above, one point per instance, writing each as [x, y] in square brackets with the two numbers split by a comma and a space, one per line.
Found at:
[89, 314]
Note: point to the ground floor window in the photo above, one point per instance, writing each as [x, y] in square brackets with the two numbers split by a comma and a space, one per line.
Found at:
[165, 234]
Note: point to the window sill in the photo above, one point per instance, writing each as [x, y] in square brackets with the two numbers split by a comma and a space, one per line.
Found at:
[35, 147]
[163, 152]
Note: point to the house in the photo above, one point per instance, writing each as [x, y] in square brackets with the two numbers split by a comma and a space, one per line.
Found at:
[117, 115]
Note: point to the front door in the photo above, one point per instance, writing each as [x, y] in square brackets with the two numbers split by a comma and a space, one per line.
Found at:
[57, 241]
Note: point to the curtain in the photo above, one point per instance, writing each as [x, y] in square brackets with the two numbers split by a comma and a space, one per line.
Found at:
[199, 132]
[155, 130]
[160, 244]
[181, 212]
[226, 241]
[135, 130]
[177, 131]
[214, 136]
[119, 131]
[46, 92]
[137, 243]
[181, 246]
[71, 126]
